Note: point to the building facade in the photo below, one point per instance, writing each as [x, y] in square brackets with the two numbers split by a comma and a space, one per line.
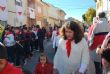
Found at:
[61, 15]
[31, 12]
[16, 11]
[53, 15]
[53, 18]
[45, 14]
[11, 13]
[39, 13]
[102, 6]
[24, 2]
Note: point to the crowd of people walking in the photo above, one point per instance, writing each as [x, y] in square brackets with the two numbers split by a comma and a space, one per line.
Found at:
[73, 51]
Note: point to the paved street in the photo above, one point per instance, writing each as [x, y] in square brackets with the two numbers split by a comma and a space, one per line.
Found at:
[25, 23]
[50, 52]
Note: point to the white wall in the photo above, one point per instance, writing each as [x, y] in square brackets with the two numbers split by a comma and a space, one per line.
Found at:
[109, 5]
[11, 5]
[45, 11]
[105, 7]
[53, 12]
[12, 17]
[24, 4]
[11, 12]
[62, 16]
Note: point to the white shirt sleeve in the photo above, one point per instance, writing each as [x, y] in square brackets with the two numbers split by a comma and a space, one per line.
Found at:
[57, 54]
[56, 58]
[52, 36]
[85, 57]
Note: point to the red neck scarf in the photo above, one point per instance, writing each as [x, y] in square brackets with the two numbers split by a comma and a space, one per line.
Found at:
[68, 47]
[57, 33]
[8, 33]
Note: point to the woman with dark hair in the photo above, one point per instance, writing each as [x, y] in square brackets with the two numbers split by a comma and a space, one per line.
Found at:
[106, 61]
[72, 55]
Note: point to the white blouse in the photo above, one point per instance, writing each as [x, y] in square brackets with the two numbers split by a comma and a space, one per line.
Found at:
[78, 60]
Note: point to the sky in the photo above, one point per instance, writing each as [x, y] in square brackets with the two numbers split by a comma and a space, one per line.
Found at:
[73, 8]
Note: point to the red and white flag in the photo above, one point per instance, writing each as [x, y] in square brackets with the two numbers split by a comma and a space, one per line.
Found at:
[19, 10]
[31, 13]
[3, 10]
